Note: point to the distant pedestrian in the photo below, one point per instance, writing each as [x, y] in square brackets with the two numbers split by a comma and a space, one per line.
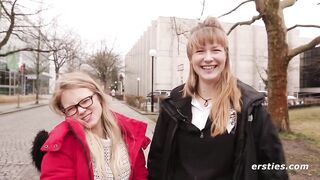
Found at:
[92, 142]
[113, 93]
[214, 127]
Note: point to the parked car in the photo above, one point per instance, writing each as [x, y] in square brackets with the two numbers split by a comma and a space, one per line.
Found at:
[293, 101]
[157, 93]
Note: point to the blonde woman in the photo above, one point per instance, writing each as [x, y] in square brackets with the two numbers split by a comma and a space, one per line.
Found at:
[213, 126]
[92, 143]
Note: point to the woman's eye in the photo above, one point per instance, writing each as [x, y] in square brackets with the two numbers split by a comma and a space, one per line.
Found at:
[85, 101]
[199, 51]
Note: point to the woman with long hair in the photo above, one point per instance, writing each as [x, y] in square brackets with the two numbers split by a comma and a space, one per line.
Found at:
[92, 142]
[213, 126]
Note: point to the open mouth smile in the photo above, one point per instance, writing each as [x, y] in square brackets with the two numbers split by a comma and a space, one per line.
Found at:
[208, 67]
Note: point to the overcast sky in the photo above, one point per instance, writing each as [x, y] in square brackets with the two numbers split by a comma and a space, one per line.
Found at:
[122, 22]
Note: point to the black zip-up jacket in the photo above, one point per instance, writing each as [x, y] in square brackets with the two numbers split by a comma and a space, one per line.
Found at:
[257, 142]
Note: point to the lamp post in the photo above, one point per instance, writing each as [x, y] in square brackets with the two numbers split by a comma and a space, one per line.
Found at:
[152, 53]
[121, 78]
[116, 85]
[138, 86]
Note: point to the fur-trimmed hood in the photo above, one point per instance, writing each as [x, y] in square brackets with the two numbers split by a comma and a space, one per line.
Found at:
[36, 153]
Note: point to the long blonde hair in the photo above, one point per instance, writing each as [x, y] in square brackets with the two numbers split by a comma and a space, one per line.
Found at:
[110, 126]
[211, 31]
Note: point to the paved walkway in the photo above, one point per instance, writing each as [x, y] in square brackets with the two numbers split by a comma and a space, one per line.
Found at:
[123, 108]
[6, 108]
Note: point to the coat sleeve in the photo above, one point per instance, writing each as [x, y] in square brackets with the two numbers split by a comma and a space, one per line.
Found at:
[157, 147]
[57, 165]
[268, 147]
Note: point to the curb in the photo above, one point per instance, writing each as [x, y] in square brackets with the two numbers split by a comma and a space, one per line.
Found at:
[139, 111]
[21, 109]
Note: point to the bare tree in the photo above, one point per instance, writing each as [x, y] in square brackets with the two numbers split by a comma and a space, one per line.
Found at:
[106, 63]
[279, 54]
[16, 23]
[181, 29]
[77, 56]
[64, 45]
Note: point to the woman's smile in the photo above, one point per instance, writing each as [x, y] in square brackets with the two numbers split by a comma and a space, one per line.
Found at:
[208, 67]
[87, 117]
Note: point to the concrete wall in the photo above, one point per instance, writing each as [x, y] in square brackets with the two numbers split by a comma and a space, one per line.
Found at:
[248, 54]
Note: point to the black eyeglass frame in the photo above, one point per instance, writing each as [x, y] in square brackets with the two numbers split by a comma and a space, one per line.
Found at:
[76, 106]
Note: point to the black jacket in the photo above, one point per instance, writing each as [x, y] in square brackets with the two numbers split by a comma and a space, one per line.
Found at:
[257, 140]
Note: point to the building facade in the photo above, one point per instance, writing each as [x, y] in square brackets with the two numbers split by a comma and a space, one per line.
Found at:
[248, 55]
[310, 73]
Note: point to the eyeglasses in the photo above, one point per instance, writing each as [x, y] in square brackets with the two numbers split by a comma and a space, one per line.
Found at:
[73, 109]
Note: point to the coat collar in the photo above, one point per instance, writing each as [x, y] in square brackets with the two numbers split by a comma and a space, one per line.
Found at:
[56, 136]
[249, 96]
[180, 103]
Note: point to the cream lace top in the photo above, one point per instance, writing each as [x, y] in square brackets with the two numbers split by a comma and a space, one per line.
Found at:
[124, 164]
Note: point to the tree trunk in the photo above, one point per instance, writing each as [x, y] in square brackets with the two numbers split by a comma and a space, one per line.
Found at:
[277, 65]
[57, 72]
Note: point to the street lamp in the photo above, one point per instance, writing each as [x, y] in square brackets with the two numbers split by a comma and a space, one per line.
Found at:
[116, 85]
[121, 78]
[138, 86]
[152, 53]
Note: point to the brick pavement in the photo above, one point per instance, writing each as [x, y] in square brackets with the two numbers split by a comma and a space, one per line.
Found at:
[17, 131]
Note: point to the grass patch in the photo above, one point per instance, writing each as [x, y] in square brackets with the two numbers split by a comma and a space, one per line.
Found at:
[302, 145]
[305, 125]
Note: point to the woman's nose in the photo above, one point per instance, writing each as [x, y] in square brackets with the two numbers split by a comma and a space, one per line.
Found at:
[81, 109]
[208, 56]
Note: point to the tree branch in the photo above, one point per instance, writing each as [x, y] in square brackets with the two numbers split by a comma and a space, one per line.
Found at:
[287, 3]
[235, 8]
[303, 48]
[25, 49]
[176, 28]
[260, 6]
[31, 14]
[203, 5]
[4, 9]
[254, 18]
[28, 26]
[11, 26]
[303, 25]
[18, 36]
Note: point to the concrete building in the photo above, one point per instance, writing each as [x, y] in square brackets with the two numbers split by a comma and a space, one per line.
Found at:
[309, 73]
[248, 54]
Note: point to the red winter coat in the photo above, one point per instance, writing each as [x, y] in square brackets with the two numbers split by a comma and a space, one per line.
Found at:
[68, 154]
